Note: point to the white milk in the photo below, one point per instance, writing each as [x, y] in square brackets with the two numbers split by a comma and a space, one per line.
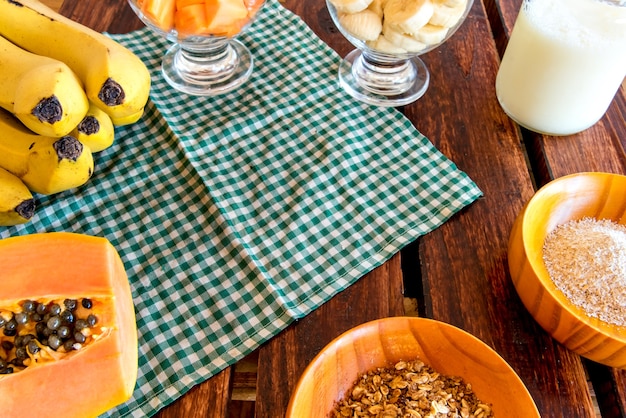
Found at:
[564, 63]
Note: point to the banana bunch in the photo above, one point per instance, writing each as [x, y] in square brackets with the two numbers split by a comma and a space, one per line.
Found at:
[115, 79]
[63, 89]
[399, 26]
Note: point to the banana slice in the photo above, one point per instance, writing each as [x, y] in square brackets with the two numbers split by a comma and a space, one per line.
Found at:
[446, 16]
[431, 34]
[382, 44]
[402, 40]
[377, 6]
[350, 6]
[365, 25]
[407, 16]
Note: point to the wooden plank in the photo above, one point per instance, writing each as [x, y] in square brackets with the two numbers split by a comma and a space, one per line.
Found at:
[207, 400]
[113, 16]
[283, 359]
[464, 263]
[610, 389]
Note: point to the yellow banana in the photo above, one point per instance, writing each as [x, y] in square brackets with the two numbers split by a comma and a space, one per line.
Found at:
[45, 164]
[17, 205]
[42, 92]
[115, 79]
[95, 130]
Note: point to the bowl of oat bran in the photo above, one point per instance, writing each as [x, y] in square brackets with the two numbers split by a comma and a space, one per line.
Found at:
[567, 258]
[401, 366]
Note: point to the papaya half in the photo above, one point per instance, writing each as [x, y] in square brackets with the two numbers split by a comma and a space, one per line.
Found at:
[68, 336]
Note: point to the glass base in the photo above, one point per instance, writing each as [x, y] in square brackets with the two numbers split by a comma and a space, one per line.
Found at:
[219, 69]
[394, 83]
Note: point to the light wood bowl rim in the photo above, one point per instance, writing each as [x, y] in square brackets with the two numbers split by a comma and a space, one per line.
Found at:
[407, 323]
[539, 270]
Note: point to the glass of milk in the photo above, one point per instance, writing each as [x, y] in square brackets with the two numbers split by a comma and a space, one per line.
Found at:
[564, 63]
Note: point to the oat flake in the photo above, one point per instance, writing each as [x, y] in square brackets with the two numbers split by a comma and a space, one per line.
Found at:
[586, 260]
[410, 389]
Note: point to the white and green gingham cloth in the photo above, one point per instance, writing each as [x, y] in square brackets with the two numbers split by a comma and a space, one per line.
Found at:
[236, 215]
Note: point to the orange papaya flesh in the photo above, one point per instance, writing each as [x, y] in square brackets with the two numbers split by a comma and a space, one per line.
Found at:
[56, 271]
[181, 4]
[225, 17]
[190, 19]
[161, 12]
[219, 18]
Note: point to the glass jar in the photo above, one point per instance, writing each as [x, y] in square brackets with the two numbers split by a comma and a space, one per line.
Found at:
[564, 63]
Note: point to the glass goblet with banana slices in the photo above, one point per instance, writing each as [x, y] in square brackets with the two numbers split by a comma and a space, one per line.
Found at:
[390, 35]
[206, 59]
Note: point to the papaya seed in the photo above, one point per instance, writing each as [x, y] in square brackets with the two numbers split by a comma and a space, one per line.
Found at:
[57, 325]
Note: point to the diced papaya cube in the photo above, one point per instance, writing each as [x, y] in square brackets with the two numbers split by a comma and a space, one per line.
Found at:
[191, 19]
[161, 12]
[184, 3]
[224, 16]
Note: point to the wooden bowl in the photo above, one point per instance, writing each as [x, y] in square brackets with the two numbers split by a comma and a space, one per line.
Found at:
[383, 342]
[598, 195]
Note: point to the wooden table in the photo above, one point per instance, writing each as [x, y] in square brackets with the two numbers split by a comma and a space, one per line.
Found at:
[458, 273]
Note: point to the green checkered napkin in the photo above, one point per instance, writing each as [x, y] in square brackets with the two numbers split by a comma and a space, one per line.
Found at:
[236, 215]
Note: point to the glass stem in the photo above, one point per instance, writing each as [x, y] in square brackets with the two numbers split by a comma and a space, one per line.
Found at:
[380, 76]
[207, 61]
